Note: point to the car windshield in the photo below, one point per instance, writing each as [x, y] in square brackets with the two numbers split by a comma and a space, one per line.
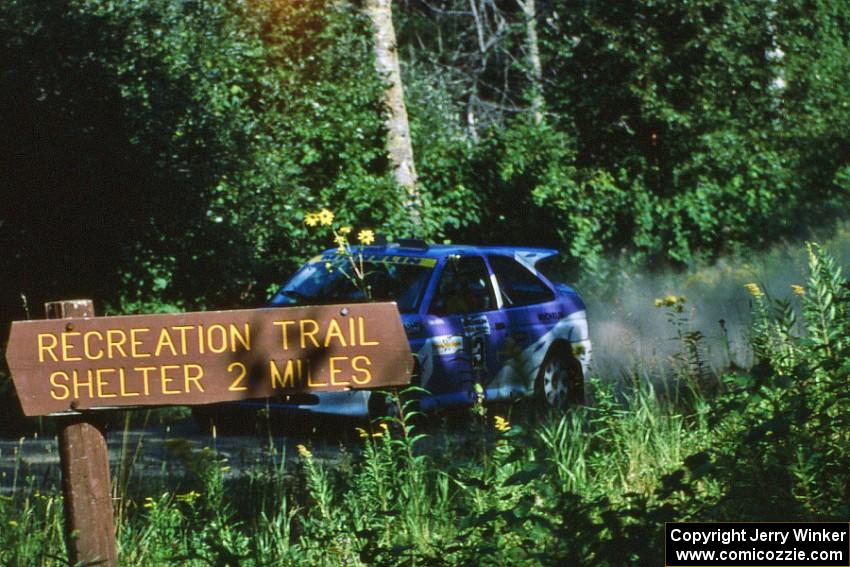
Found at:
[332, 279]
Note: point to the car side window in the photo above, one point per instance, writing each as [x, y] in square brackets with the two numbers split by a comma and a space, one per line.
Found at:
[464, 287]
[518, 285]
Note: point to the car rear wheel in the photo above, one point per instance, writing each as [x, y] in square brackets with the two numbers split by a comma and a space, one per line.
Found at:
[560, 382]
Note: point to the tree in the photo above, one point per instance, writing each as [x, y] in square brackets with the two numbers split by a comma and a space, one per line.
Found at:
[399, 145]
[532, 45]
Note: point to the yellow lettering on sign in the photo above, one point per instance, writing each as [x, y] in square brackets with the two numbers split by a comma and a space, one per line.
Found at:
[67, 347]
[311, 334]
[90, 353]
[88, 384]
[352, 337]
[244, 339]
[182, 330]
[122, 384]
[135, 343]
[146, 372]
[102, 382]
[287, 379]
[217, 339]
[59, 391]
[166, 379]
[334, 370]
[310, 382]
[361, 369]
[284, 339]
[115, 340]
[165, 341]
[190, 378]
[241, 371]
[50, 348]
[334, 332]
[363, 340]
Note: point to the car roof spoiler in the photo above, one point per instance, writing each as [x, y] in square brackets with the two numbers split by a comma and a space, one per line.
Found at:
[531, 256]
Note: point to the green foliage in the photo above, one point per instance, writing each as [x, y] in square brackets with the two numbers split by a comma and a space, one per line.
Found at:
[593, 486]
[173, 149]
[188, 141]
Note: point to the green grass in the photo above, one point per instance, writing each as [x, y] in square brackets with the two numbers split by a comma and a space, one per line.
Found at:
[592, 486]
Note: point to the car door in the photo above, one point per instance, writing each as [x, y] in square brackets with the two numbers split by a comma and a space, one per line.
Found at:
[530, 310]
[465, 326]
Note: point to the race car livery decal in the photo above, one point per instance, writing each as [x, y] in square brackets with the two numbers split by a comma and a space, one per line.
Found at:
[518, 374]
[475, 326]
[446, 345]
[334, 257]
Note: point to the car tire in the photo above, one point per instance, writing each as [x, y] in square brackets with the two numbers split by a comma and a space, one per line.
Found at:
[560, 381]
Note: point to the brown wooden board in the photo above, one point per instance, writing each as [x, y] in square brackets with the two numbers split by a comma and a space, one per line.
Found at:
[63, 365]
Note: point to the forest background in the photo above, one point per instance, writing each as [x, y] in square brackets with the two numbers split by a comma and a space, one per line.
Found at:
[161, 155]
[158, 154]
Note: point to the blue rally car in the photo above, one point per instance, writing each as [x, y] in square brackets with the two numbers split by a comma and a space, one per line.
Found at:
[473, 315]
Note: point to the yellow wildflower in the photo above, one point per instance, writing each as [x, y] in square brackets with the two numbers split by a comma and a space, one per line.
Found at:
[365, 434]
[304, 452]
[671, 300]
[189, 497]
[149, 503]
[326, 217]
[502, 424]
[798, 290]
[343, 230]
[311, 219]
[366, 237]
[754, 290]
[384, 426]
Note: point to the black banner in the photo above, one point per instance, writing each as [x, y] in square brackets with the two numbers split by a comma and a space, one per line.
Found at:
[757, 544]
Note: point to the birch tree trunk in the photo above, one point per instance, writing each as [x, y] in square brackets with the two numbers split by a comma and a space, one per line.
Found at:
[399, 146]
[532, 46]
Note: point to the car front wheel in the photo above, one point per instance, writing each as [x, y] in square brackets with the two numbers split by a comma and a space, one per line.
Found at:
[560, 382]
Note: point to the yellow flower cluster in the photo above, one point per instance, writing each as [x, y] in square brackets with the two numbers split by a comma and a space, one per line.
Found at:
[754, 290]
[189, 497]
[671, 301]
[324, 217]
[365, 434]
[366, 237]
[502, 424]
[798, 290]
[304, 452]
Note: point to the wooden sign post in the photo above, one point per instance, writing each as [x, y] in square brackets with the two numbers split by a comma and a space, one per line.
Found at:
[84, 461]
[74, 362]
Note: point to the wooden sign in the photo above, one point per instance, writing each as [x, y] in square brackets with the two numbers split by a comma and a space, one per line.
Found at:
[201, 358]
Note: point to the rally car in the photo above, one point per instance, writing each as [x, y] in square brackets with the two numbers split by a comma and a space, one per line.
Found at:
[481, 320]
